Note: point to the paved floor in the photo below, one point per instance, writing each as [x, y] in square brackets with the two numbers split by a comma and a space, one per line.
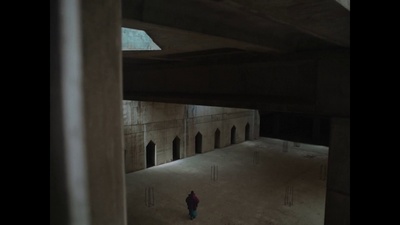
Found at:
[253, 181]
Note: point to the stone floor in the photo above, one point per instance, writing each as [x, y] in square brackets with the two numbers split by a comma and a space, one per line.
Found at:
[243, 184]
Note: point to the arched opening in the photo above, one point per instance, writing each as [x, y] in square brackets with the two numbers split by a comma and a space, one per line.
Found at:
[176, 144]
[150, 154]
[247, 132]
[217, 138]
[198, 142]
[233, 135]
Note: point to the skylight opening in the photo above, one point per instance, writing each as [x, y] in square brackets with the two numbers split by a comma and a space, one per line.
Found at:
[137, 40]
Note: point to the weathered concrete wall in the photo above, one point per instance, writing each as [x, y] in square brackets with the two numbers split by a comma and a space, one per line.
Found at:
[133, 133]
[161, 123]
[207, 119]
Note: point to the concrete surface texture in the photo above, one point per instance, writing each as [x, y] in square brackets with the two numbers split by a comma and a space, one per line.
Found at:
[307, 72]
[102, 85]
[158, 133]
[264, 181]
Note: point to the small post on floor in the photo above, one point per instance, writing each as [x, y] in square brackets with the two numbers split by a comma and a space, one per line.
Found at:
[149, 196]
[214, 173]
[256, 157]
[288, 198]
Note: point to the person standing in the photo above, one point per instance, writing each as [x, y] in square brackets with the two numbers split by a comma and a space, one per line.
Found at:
[192, 202]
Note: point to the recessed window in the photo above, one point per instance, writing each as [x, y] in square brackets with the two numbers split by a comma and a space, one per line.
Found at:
[217, 138]
[150, 154]
[233, 135]
[198, 143]
[176, 144]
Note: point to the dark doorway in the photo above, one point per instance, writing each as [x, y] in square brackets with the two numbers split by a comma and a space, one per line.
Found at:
[150, 154]
[217, 138]
[199, 139]
[247, 132]
[233, 135]
[176, 144]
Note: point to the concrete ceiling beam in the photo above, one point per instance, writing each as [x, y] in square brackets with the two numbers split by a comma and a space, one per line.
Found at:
[318, 84]
[222, 20]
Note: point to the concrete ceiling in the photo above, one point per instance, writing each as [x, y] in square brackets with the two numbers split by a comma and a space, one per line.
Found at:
[276, 55]
[192, 29]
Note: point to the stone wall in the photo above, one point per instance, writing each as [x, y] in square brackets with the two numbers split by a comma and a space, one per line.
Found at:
[165, 124]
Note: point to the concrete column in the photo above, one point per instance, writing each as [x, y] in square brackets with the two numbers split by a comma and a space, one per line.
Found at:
[337, 210]
[69, 196]
[102, 80]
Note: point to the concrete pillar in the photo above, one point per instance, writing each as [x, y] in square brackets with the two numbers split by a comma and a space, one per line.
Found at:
[337, 210]
[102, 57]
[69, 196]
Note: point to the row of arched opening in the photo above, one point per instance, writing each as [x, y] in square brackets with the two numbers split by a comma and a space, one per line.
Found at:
[217, 138]
[151, 154]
